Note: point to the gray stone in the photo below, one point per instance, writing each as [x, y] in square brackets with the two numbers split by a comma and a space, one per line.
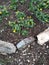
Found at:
[6, 47]
[0, 64]
[25, 42]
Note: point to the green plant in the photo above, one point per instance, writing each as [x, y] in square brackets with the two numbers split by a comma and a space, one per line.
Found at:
[40, 3]
[20, 15]
[22, 22]
[42, 16]
[2, 62]
[14, 4]
[44, 4]
[29, 23]
[3, 12]
[14, 1]
[15, 27]
[24, 32]
[1, 7]
[37, 10]
[22, 1]
[0, 19]
[5, 61]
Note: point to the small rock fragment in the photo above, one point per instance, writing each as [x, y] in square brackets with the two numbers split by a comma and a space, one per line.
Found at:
[43, 37]
[6, 47]
[25, 42]
[28, 60]
[47, 46]
[34, 59]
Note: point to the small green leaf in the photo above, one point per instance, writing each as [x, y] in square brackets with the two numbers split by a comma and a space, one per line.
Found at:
[24, 32]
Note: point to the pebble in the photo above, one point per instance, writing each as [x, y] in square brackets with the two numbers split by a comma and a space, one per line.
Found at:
[21, 57]
[24, 51]
[15, 59]
[45, 53]
[1, 30]
[29, 53]
[9, 56]
[24, 54]
[28, 60]
[47, 46]
[19, 60]
[27, 56]
[38, 56]
[43, 64]
[40, 53]
[20, 63]
[16, 51]
[34, 59]
[6, 18]
[28, 46]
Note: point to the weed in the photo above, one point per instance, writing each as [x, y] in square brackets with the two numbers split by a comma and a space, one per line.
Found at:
[29, 23]
[3, 12]
[17, 27]
[22, 1]
[24, 32]
[20, 15]
[38, 8]
[14, 4]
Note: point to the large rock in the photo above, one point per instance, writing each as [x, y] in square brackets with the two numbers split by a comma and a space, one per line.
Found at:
[43, 37]
[25, 42]
[6, 47]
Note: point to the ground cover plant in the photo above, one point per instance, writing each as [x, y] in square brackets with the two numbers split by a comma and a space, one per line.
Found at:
[21, 22]
[3, 12]
[38, 9]
[20, 19]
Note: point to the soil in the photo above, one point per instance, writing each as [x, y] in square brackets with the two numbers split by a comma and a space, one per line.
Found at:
[33, 54]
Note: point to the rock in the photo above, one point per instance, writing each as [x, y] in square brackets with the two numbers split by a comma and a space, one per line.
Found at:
[0, 64]
[25, 42]
[43, 37]
[6, 47]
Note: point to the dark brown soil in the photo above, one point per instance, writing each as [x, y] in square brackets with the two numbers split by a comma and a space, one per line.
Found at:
[33, 54]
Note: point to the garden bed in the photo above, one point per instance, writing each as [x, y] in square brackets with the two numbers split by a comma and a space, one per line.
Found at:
[33, 54]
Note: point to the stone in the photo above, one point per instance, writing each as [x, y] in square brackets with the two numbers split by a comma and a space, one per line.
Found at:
[0, 64]
[43, 37]
[25, 42]
[6, 47]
